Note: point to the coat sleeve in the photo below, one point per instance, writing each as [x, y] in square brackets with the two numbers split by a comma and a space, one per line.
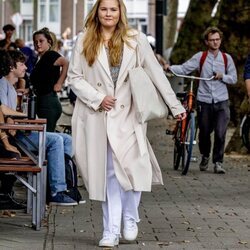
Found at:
[76, 78]
[156, 74]
[230, 77]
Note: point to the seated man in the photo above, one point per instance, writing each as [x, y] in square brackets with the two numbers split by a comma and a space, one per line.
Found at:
[7, 201]
[12, 67]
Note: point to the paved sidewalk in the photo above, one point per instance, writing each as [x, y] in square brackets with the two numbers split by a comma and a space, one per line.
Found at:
[198, 211]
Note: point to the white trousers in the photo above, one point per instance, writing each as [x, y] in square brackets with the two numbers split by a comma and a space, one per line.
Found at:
[119, 204]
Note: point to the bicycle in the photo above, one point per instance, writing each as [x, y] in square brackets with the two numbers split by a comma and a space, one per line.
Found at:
[184, 133]
[245, 131]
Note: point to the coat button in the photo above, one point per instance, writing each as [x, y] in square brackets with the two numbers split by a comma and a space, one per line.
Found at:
[99, 84]
[122, 106]
[100, 109]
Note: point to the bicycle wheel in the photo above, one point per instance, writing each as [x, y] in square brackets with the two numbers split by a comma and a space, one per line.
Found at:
[188, 146]
[178, 148]
[245, 132]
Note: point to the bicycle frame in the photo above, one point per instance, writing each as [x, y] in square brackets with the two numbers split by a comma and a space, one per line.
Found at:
[184, 132]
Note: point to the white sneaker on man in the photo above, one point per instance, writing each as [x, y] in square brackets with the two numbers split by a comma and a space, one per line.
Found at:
[130, 229]
[109, 240]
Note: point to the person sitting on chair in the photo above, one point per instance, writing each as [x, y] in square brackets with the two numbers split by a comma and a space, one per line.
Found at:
[58, 145]
[7, 150]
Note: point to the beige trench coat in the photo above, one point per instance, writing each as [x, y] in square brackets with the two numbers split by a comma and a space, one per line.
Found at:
[135, 164]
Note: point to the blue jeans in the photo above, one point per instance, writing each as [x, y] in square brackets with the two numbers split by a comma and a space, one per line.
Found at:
[57, 144]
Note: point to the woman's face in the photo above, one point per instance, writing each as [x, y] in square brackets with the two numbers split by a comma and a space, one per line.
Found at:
[41, 44]
[109, 13]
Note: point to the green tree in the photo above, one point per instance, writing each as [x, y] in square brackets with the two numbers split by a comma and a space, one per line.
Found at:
[235, 26]
[170, 24]
[189, 40]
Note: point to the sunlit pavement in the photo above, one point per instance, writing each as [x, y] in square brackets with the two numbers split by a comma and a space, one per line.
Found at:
[199, 211]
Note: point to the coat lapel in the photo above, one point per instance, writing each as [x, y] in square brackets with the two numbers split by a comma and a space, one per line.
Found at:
[103, 59]
[128, 53]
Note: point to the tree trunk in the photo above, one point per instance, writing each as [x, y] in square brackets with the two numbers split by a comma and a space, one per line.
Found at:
[235, 26]
[170, 24]
[189, 41]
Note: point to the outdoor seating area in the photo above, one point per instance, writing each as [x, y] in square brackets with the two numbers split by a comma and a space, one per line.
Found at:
[30, 169]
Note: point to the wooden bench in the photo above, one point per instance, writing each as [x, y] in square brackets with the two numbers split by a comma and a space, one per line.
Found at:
[31, 169]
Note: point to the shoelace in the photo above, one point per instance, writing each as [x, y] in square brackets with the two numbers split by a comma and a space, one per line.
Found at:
[130, 224]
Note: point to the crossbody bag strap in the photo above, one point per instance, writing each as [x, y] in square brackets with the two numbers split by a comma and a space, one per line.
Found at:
[138, 61]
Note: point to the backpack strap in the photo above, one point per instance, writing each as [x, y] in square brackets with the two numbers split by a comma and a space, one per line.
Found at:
[204, 56]
[225, 61]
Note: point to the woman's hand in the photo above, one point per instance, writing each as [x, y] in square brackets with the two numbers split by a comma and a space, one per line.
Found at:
[108, 103]
[181, 116]
[57, 87]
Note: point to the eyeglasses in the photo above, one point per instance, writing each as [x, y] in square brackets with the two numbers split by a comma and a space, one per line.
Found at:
[214, 40]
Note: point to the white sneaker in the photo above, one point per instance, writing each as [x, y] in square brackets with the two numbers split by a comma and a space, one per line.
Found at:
[130, 229]
[109, 240]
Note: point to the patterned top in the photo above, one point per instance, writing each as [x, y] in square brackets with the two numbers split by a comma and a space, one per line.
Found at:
[114, 70]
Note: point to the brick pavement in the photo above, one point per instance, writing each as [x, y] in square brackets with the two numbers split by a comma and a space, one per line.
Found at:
[197, 211]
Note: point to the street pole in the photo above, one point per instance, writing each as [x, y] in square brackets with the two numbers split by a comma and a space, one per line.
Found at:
[74, 19]
[35, 12]
[160, 11]
[3, 13]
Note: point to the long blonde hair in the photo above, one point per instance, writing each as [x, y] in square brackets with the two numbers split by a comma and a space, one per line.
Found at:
[93, 38]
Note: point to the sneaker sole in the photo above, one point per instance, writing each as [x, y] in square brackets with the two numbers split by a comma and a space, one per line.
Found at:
[81, 202]
[116, 243]
[219, 172]
[108, 245]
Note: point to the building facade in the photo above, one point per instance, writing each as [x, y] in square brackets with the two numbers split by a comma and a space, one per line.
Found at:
[63, 17]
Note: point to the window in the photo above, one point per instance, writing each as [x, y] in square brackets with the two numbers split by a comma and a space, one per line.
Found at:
[42, 12]
[27, 1]
[49, 11]
[54, 11]
[88, 6]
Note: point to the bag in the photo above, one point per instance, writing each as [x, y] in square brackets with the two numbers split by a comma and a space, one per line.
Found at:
[147, 100]
[71, 178]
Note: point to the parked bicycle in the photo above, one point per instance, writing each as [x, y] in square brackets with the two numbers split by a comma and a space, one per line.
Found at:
[184, 134]
[245, 131]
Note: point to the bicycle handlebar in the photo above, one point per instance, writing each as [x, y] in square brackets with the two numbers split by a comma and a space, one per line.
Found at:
[192, 77]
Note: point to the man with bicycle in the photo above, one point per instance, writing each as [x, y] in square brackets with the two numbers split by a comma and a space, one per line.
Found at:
[212, 96]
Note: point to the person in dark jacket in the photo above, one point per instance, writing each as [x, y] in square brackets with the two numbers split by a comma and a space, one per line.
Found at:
[6, 43]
